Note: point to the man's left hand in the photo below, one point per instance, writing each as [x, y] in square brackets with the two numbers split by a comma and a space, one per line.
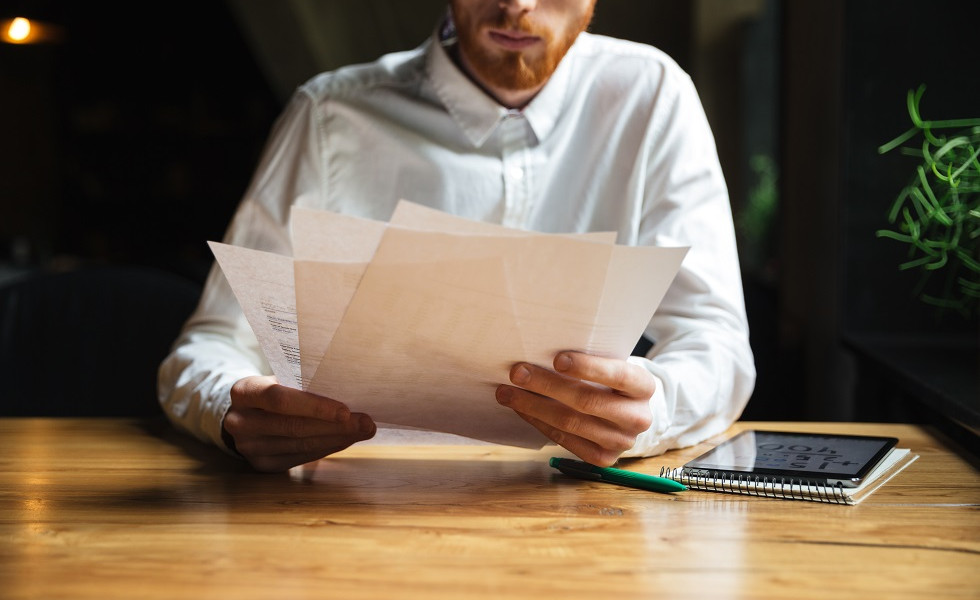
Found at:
[594, 407]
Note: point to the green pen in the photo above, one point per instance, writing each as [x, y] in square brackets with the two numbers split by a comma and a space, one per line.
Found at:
[583, 470]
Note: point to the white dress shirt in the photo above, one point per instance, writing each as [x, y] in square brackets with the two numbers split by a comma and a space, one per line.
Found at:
[616, 141]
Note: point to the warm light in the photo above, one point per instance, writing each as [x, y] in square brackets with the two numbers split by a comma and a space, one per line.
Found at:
[19, 29]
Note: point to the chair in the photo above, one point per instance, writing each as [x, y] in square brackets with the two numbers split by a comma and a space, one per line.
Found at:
[88, 342]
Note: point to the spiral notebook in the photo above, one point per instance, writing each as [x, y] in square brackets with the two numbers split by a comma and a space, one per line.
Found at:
[837, 469]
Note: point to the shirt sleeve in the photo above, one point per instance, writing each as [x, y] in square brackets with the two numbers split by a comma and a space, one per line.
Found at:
[701, 355]
[216, 346]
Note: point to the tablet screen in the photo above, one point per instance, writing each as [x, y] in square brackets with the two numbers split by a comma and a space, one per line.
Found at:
[819, 457]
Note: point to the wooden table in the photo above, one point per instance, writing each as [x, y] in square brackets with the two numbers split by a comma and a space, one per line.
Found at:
[95, 508]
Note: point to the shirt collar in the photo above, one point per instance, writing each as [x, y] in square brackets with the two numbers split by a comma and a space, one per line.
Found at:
[476, 113]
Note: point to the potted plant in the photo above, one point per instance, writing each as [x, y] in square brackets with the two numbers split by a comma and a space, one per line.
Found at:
[937, 214]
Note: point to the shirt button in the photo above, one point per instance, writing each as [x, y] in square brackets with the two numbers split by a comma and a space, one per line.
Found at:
[516, 173]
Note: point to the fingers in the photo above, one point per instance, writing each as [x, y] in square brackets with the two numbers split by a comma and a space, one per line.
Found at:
[630, 380]
[265, 394]
[595, 407]
[586, 449]
[629, 411]
[576, 431]
[275, 427]
[272, 452]
[275, 454]
[255, 422]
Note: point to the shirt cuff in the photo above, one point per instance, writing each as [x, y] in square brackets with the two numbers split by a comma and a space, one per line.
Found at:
[649, 442]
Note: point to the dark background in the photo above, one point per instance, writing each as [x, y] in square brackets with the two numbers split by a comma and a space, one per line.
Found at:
[130, 141]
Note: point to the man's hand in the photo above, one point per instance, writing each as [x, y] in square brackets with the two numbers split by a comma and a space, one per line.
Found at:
[594, 407]
[275, 427]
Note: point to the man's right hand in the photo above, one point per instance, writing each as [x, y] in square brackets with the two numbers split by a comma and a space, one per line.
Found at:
[275, 427]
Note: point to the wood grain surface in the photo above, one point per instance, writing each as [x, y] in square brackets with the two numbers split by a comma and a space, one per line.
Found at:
[102, 508]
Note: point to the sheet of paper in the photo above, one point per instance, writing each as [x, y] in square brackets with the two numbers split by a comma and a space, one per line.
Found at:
[636, 281]
[329, 236]
[415, 216]
[439, 319]
[416, 322]
[407, 356]
[263, 285]
[331, 252]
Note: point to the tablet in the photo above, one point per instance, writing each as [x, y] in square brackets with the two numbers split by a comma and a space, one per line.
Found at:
[817, 458]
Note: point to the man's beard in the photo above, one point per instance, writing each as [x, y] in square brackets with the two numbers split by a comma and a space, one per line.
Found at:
[512, 70]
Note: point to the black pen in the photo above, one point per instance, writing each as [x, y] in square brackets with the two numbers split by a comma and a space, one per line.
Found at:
[583, 470]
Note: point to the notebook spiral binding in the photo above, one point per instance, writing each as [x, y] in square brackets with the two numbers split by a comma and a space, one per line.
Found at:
[755, 485]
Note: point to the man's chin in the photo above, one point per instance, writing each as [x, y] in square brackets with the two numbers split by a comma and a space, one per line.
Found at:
[512, 73]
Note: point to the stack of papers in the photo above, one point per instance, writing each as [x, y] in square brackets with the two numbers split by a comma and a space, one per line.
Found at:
[417, 321]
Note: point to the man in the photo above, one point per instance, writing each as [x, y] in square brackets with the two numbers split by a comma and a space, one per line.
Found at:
[517, 117]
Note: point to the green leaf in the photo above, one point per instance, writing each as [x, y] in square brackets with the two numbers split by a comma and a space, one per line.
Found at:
[914, 263]
[968, 260]
[920, 204]
[886, 233]
[933, 266]
[888, 146]
[937, 211]
[966, 283]
[912, 101]
[972, 159]
[951, 123]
